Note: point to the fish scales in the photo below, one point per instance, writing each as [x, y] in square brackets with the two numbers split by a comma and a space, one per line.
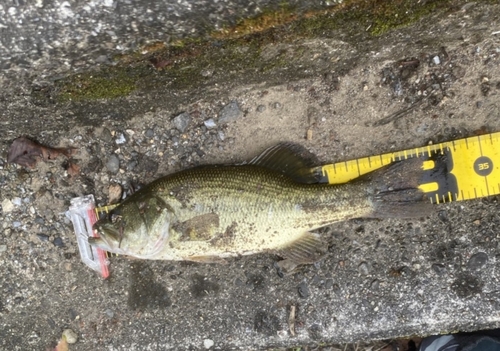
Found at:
[266, 210]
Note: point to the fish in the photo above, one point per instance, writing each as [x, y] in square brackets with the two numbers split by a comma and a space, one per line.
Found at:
[273, 204]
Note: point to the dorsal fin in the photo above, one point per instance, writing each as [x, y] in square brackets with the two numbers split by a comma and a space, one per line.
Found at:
[291, 159]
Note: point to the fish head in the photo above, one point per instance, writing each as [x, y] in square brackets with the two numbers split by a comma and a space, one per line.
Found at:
[139, 227]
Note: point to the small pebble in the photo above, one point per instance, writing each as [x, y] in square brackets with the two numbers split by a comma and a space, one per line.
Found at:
[208, 343]
[39, 220]
[206, 72]
[221, 135]
[309, 134]
[120, 139]
[261, 108]
[7, 206]
[70, 336]
[303, 290]
[477, 261]
[58, 242]
[230, 112]
[277, 105]
[43, 237]
[363, 268]
[113, 164]
[131, 165]
[3, 248]
[436, 60]
[443, 216]
[438, 268]
[106, 135]
[16, 224]
[150, 133]
[181, 121]
[17, 201]
[109, 313]
[210, 123]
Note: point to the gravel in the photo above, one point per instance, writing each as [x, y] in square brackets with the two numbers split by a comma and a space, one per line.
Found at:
[303, 290]
[181, 121]
[120, 139]
[113, 164]
[477, 261]
[58, 242]
[7, 206]
[210, 123]
[208, 343]
[231, 112]
[70, 336]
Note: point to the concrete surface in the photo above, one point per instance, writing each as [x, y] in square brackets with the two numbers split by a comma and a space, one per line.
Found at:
[381, 279]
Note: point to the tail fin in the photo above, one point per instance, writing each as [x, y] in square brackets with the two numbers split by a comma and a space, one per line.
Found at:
[395, 190]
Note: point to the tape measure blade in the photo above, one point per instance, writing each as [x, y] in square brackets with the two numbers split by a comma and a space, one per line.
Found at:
[472, 167]
[476, 166]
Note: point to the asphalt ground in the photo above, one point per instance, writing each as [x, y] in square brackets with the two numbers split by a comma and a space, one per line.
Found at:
[329, 92]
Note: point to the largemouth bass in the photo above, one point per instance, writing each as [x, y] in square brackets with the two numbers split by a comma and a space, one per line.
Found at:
[271, 204]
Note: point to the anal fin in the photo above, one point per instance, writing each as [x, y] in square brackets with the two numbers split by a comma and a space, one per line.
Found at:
[307, 249]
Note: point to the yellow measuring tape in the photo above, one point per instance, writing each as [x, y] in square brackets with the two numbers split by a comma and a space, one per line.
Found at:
[472, 168]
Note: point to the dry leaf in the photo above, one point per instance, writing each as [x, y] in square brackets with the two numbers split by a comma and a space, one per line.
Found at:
[27, 153]
[73, 169]
[115, 193]
[159, 64]
[62, 345]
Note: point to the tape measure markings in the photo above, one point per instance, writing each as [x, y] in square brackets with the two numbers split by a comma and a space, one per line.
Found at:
[471, 166]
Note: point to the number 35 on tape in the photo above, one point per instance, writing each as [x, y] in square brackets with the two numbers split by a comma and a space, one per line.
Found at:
[472, 168]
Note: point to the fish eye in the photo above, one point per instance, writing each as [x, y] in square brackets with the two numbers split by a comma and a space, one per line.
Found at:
[115, 218]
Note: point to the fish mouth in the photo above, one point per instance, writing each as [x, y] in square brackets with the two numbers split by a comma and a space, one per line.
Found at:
[108, 233]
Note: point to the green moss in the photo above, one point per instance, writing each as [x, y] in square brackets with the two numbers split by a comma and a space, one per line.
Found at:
[401, 13]
[375, 17]
[107, 84]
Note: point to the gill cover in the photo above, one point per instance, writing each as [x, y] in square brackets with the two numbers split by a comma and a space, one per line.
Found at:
[139, 227]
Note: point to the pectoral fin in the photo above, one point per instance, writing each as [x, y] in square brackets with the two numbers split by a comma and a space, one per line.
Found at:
[306, 250]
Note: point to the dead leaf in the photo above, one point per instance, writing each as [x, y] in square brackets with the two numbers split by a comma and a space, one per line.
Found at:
[115, 193]
[62, 345]
[73, 169]
[27, 153]
[159, 63]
